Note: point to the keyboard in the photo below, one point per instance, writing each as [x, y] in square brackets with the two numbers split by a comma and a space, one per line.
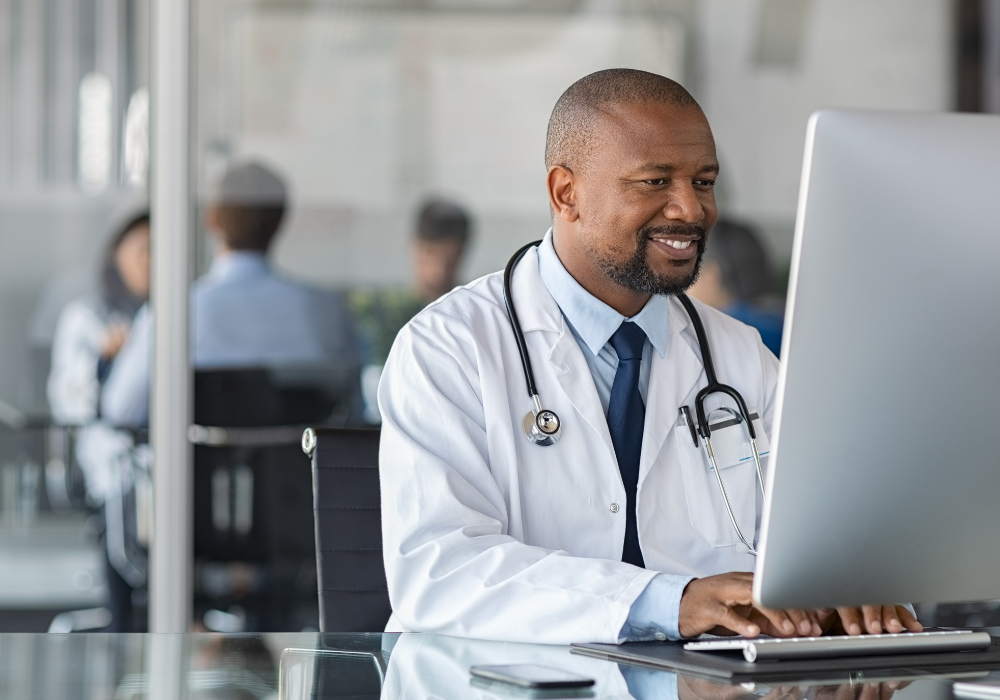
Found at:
[773, 649]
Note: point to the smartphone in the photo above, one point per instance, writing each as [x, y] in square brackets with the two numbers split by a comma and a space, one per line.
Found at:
[531, 676]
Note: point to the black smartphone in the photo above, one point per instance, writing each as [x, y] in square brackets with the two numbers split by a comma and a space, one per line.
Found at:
[531, 676]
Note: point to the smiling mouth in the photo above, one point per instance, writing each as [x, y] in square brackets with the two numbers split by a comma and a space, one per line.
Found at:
[678, 250]
[679, 245]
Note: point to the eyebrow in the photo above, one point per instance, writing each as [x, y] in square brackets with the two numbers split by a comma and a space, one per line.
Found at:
[666, 167]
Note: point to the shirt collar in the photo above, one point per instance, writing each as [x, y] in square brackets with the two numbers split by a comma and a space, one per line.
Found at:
[239, 263]
[593, 320]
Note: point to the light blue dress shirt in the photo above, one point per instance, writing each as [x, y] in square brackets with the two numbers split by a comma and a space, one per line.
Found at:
[654, 614]
[243, 314]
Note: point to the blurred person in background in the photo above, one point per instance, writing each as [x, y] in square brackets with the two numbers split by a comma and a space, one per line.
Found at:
[88, 338]
[736, 278]
[440, 240]
[243, 313]
[90, 333]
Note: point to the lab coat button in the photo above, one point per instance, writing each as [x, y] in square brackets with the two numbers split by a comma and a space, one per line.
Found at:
[614, 507]
[660, 637]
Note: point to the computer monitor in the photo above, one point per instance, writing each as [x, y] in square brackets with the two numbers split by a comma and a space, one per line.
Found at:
[885, 476]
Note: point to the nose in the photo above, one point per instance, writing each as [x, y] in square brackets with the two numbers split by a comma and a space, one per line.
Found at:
[684, 204]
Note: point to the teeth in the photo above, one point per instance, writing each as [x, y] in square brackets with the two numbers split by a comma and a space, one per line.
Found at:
[679, 245]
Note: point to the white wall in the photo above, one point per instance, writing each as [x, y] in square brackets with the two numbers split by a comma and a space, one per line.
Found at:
[879, 54]
[366, 113]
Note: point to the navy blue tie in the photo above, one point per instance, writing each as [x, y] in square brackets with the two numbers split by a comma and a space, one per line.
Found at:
[626, 418]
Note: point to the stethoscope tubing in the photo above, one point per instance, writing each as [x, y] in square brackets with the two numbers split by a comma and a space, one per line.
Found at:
[713, 385]
[515, 324]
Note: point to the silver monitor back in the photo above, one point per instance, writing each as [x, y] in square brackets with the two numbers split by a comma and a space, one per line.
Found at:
[885, 478]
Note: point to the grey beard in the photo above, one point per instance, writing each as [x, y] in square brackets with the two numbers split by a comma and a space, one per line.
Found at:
[635, 273]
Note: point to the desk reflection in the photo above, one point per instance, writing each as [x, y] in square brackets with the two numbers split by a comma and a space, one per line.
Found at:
[431, 666]
[368, 667]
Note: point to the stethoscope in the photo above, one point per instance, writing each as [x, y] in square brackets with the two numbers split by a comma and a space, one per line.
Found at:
[543, 427]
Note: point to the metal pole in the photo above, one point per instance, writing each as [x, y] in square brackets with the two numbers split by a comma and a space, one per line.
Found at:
[170, 571]
[990, 12]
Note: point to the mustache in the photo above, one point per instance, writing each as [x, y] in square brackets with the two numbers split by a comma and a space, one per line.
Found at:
[693, 231]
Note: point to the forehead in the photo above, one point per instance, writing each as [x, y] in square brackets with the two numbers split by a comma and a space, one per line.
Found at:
[135, 231]
[652, 133]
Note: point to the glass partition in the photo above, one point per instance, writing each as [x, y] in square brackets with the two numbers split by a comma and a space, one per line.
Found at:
[73, 164]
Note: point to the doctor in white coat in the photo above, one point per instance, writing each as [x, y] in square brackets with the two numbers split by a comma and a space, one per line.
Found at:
[618, 531]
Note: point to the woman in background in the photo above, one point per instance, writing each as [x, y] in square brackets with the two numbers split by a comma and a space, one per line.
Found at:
[90, 332]
[92, 329]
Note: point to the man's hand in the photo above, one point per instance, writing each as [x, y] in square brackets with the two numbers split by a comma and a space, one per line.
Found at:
[723, 605]
[869, 619]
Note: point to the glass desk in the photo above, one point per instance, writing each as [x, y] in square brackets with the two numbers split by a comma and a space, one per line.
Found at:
[309, 665]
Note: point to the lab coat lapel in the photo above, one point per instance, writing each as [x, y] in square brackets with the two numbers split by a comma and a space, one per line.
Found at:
[671, 380]
[577, 383]
[548, 336]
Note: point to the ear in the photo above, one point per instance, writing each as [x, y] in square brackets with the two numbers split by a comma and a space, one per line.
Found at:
[561, 182]
[212, 218]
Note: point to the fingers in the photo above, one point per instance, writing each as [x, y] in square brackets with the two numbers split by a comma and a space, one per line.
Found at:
[725, 601]
[827, 619]
[777, 623]
[816, 627]
[851, 620]
[803, 623]
[870, 691]
[873, 618]
[878, 691]
[888, 690]
[729, 619]
[908, 620]
[890, 620]
[786, 623]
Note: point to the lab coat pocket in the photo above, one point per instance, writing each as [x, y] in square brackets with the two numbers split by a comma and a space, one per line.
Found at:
[734, 455]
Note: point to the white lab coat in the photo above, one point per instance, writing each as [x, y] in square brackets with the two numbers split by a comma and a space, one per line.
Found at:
[487, 535]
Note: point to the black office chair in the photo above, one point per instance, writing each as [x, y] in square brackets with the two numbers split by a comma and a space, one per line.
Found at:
[253, 525]
[353, 594]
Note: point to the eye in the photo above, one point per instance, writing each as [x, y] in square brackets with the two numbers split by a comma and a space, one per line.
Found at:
[704, 183]
[657, 182]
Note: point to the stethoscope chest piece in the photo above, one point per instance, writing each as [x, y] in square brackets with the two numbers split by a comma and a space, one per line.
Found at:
[542, 427]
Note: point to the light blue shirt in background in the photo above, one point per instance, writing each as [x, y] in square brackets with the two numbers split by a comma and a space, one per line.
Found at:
[655, 613]
[243, 314]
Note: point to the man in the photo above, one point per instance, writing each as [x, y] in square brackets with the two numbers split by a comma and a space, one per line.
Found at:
[243, 313]
[616, 532]
[439, 243]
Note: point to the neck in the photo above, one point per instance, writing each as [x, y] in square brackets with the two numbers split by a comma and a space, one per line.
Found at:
[222, 251]
[584, 270]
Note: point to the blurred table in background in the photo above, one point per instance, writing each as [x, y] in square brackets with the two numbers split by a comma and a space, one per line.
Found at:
[53, 564]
